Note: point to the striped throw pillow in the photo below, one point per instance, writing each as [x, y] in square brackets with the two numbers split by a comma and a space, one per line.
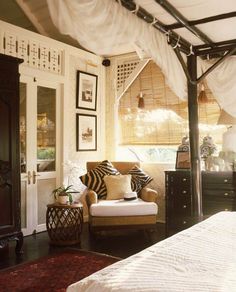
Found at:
[94, 178]
[139, 179]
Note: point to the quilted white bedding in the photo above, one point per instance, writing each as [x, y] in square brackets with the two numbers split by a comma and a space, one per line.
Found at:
[201, 258]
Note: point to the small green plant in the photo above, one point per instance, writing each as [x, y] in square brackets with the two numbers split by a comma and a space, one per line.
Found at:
[63, 191]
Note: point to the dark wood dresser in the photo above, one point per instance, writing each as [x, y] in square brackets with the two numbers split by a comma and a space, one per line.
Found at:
[218, 194]
[10, 225]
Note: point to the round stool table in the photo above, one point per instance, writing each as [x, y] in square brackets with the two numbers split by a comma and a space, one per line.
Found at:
[64, 223]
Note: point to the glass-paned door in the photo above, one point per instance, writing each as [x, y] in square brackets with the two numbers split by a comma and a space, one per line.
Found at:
[39, 144]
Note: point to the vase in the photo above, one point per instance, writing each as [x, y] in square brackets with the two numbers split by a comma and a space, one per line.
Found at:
[63, 200]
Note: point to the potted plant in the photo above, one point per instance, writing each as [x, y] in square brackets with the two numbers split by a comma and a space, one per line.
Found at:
[63, 194]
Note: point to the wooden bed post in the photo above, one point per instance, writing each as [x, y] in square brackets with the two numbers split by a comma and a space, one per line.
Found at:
[196, 185]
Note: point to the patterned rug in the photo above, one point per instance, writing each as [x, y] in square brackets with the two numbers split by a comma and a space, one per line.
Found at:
[53, 273]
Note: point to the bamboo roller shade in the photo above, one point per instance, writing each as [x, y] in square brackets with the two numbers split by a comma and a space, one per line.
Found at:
[136, 125]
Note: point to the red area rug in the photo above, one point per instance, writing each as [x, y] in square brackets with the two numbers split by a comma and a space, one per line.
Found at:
[53, 273]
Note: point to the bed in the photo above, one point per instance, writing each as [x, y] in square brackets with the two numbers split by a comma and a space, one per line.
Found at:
[201, 258]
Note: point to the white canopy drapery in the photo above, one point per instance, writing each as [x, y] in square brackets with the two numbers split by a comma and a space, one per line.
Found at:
[102, 26]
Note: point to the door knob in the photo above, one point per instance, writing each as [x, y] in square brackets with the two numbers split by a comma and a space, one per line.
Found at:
[34, 176]
[28, 176]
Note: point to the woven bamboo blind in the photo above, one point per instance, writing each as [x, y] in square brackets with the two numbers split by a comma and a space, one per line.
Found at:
[164, 118]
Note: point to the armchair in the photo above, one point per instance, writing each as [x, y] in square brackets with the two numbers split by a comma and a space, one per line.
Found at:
[118, 214]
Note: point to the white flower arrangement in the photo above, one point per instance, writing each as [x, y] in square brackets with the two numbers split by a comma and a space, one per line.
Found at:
[72, 172]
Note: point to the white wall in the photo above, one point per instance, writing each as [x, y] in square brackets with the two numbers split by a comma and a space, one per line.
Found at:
[15, 41]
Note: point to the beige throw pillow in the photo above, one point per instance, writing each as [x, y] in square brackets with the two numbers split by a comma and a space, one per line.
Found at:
[117, 185]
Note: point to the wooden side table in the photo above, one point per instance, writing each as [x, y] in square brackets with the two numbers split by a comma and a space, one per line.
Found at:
[64, 223]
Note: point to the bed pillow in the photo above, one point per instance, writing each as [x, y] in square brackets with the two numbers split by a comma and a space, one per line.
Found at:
[93, 179]
[117, 186]
[139, 179]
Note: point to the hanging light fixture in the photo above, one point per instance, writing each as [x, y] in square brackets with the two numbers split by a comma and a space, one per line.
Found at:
[140, 100]
[202, 97]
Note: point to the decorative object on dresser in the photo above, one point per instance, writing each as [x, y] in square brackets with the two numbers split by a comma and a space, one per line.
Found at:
[182, 160]
[10, 218]
[218, 194]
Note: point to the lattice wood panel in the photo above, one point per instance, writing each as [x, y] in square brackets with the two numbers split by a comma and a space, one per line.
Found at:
[124, 69]
[35, 54]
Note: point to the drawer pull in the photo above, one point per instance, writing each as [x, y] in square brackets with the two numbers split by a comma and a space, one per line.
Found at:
[225, 180]
[226, 194]
[184, 192]
[184, 222]
[184, 206]
[184, 179]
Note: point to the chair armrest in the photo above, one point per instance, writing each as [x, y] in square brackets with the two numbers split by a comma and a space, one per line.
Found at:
[91, 198]
[150, 195]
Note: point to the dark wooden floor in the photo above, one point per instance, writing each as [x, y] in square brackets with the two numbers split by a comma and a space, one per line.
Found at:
[121, 244]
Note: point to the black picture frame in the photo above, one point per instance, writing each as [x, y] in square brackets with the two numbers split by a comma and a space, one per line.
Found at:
[182, 160]
[86, 132]
[86, 90]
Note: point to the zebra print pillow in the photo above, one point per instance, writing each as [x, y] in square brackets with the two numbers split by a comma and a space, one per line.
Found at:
[94, 178]
[139, 179]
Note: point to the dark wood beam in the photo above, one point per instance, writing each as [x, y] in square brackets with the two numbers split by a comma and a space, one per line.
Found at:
[196, 184]
[180, 18]
[201, 21]
[149, 18]
[216, 44]
[209, 70]
[216, 50]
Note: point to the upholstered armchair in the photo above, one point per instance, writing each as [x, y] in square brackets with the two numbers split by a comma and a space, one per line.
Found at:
[105, 213]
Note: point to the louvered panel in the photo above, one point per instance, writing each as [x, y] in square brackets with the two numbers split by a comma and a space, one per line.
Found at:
[44, 58]
[55, 61]
[22, 52]
[34, 54]
[10, 44]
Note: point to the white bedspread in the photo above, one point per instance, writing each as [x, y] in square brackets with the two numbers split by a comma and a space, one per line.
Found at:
[201, 258]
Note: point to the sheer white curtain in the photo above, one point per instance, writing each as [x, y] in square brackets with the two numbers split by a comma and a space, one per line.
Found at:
[222, 83]
[103, 25]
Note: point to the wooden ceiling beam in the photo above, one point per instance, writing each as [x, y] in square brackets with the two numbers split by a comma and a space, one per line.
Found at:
[202, 20]
[174, 38]
[216, 44]
[181, 19]
[25, 8]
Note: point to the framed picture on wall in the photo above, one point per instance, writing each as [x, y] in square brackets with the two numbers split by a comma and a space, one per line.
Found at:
[182, 160]
[86, 132]
[86, 91]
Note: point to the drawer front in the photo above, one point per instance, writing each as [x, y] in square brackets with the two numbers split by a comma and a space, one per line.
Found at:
[212, 207]
[179, 179]
[215, 177]
[179, 224]
[219, 194]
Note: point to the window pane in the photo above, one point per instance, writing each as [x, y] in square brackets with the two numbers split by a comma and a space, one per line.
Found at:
[46, 129]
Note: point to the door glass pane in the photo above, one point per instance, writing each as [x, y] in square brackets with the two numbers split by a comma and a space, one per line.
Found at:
[23, 127]
[46, 129]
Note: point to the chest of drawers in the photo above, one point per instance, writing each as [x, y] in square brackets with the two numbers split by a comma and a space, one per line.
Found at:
[218, 194]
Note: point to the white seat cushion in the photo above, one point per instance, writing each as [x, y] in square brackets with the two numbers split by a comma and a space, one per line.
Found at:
[121, 207]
